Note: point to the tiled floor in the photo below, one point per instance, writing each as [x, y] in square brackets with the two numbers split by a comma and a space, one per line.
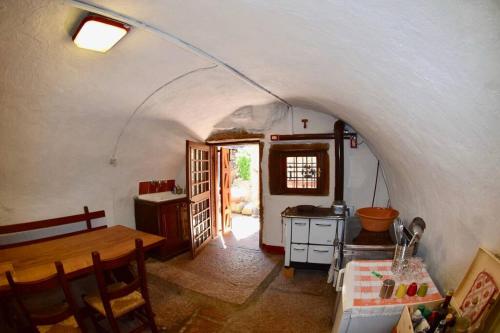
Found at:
[259, 300]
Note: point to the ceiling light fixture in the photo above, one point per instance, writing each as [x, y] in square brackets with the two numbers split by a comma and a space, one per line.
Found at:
[99, 33]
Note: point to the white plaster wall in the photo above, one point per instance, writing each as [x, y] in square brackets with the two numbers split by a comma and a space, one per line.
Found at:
[420, 80]
[62, 109]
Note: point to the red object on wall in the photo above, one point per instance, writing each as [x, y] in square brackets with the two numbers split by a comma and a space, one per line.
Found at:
[143, 187]
[154, 186]
[167, 185]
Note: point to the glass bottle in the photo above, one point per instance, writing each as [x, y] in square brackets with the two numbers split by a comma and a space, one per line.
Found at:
[443, 309]
[441, 327]
[447, 299]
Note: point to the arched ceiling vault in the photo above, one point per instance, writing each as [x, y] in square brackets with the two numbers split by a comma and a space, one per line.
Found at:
[419, 80]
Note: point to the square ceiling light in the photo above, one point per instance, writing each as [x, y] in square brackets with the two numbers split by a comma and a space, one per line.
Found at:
[99, 33]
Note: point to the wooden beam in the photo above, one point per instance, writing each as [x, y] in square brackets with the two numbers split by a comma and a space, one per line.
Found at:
[234, 136]
[298, 147]
[315, 136]
[290, 137]
[232, 142]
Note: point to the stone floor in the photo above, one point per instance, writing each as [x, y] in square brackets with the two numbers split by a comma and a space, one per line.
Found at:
[229, 268]
[230, 274]
[234, 287]
[302, 304]
[276, 304]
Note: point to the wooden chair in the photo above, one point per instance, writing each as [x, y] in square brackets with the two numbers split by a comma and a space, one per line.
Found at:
[64, 317]
[119, 299]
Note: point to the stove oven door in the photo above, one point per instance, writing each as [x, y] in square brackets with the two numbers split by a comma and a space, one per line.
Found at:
[322, 232]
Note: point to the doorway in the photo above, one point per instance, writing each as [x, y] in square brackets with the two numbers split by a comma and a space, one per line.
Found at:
[238, 195]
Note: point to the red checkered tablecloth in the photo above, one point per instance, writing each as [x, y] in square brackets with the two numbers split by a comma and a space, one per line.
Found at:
[366, 286]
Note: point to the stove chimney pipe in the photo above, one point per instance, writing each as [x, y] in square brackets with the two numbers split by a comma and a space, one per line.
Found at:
[338, 133]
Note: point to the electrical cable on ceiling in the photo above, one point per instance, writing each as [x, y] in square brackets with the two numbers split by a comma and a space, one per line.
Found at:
[113, 160]
[376, 181]
[290, 109]
[380, 167]
[177, 41]
[386, 187]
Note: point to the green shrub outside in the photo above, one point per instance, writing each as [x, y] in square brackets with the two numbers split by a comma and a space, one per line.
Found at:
[243, 164]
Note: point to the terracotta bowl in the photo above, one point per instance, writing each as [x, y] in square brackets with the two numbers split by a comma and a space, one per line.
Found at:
[377, 219]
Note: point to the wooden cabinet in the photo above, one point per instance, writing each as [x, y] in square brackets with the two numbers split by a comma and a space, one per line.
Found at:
[168, 219]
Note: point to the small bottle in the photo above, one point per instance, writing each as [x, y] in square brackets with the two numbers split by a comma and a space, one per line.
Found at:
[434, 320]
[425, 311]
[423, 326]
[447, 299]
[441, 327]
[416, 317]
[443, 308]
[450, 320]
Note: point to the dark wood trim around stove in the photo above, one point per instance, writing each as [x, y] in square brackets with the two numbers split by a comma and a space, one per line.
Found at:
[273, 249]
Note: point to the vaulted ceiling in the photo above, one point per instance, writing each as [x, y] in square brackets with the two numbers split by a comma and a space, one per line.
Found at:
[419, 80]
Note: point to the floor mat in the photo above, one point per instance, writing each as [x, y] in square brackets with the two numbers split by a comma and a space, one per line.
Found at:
[277, 301]
[229, 274]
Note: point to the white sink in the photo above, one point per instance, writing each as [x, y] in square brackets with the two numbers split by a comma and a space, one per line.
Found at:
[160, 196]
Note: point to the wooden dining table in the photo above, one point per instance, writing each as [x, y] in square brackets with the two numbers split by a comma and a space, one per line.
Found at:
[36, 261]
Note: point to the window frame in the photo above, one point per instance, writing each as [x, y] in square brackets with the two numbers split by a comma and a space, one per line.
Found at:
[277, 164]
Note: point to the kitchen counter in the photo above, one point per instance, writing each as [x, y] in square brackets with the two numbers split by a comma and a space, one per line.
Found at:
[357, 237]
[310, 212]
[360, 308]
[360, 244]
[160, 197]
[167, 215]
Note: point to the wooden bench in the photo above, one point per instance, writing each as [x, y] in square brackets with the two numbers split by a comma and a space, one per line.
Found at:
[86, 217]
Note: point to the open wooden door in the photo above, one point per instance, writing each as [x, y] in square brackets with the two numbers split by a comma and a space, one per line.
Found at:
[225, 191]
[198, 164]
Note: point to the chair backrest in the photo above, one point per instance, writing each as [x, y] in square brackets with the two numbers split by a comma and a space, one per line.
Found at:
[36, 227]
[102, 267]
[30, 288]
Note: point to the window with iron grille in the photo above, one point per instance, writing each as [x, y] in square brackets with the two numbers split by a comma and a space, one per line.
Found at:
[302, 172]
[299, 169]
